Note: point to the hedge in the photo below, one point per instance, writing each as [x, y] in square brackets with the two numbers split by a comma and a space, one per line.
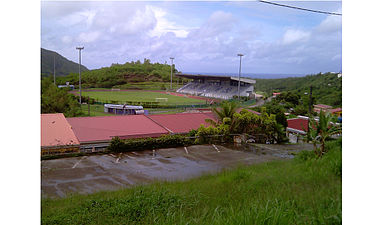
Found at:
[165, 141]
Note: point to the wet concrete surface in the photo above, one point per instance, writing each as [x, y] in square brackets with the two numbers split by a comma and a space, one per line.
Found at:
[94, 173]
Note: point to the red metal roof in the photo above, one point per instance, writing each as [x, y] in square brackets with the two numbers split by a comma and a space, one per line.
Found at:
[323, 106]
[104, 128]
[182, 122]
[298, 124]
[336, 110]
[56, 131]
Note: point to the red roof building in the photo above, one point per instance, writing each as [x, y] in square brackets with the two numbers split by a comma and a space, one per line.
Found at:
[182, 122]
[336, 111]
[57, 134]
[298, 125]
[102, 129]
[319, 107]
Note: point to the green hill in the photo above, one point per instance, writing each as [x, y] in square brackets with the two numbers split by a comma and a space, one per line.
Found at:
[120, 74]
[63, 66]
[327, 87]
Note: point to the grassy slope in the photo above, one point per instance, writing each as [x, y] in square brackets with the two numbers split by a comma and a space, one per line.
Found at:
[148, 85]
[139, 96]
[279, 192]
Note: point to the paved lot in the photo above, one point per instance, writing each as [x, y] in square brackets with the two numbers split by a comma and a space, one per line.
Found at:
[89, 174]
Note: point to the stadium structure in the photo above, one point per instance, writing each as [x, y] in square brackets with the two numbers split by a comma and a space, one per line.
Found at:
[223, 87]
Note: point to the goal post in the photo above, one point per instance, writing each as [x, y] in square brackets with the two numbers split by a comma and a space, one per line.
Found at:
[161, 99]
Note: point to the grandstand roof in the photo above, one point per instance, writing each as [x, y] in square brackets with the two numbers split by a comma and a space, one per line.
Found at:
[182, 122]
[199, 76]
[56, 131]
[104, 128]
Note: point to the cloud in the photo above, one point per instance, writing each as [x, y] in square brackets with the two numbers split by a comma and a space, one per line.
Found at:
[330, 25]
[66, 39]
[163, 25]
[292, 36]
[219, 22]
[200, 38]
[130, 20]
[88, 37]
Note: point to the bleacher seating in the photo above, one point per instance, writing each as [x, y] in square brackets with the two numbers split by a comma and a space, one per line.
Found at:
[212, 91]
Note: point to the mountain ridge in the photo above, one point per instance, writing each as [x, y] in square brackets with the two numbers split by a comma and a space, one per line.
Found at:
[63, 66]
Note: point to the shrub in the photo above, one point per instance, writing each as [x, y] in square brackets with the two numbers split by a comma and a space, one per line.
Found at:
[305, 155]
[165, 141]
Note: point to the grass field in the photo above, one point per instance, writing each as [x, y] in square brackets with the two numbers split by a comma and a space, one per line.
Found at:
[98, 110]
[140, 96]
[304, 190]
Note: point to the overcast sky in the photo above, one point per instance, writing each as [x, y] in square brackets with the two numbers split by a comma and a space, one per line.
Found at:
[202, 36]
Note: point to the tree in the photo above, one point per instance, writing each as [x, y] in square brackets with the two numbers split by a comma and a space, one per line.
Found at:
[224, 113]
[58, 100]
[319, 131]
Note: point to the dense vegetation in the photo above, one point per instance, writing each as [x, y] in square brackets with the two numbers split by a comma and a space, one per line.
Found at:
[326, 88]
[290, 102]
[305, 190]
[263, 128]
[119, 74]
[58, 100]
[63, 66]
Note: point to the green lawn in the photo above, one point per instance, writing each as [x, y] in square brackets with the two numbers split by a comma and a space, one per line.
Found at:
[95, 110]
[140, 96]
[98, 110]
[304, 190]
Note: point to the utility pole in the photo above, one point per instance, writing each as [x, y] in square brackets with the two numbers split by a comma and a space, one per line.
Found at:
[79, 69]
[171, 70]
[239, 76]
[54, 71]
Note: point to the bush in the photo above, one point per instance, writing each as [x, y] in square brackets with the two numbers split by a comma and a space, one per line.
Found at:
[305, 155]
[165, 141]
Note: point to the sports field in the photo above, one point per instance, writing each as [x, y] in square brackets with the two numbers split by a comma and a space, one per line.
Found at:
[140, 96]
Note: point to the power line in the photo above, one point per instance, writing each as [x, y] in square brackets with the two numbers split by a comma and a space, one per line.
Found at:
[294, 7]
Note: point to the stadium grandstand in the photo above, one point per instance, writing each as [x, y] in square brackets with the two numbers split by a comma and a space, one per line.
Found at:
[223, 87]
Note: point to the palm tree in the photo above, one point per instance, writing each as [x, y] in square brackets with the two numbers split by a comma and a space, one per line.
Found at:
[319, 131]
[224, 113]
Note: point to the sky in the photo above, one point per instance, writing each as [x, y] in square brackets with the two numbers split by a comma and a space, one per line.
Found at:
[203, 37]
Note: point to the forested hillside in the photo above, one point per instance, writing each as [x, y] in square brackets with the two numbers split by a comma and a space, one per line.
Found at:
[327, 87]
[63, 66]
[118, 74]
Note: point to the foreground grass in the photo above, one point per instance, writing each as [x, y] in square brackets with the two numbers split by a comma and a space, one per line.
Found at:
[300, 191]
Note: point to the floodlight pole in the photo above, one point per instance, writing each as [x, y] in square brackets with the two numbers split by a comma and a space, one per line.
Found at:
[239, 76]
[171, 70]
[79, 70]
